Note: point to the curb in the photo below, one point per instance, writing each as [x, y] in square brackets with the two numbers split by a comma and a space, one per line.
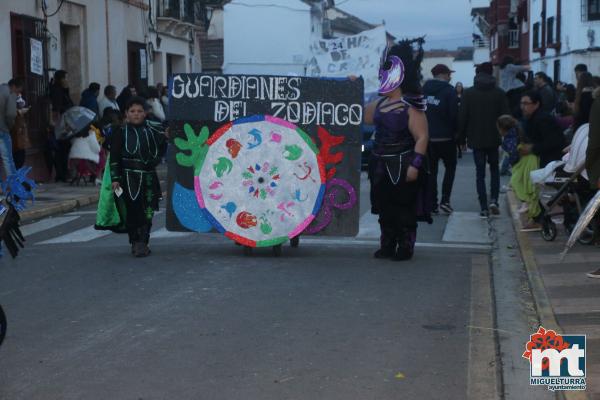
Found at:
[536, 283]
[66, 206]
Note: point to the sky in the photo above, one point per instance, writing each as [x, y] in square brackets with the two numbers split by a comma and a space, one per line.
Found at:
[447, 23]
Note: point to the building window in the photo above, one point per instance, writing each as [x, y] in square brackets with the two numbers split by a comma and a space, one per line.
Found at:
[513, 39]
[556, 70]
[590, 10]
[550, 30]
[536, 35]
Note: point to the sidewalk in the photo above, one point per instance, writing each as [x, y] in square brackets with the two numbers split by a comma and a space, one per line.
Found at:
[566, 299]
[58, 198]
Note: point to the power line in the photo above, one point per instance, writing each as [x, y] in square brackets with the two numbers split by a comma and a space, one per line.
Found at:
[44, 9]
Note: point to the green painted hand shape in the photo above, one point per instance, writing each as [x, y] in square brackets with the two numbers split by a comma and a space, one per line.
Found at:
[194, 149]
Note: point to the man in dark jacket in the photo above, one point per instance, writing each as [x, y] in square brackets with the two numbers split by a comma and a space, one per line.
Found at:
[541, 129]
[89, 98]
[479, 110]
[546, 92]
[592, 159]
[442, 113]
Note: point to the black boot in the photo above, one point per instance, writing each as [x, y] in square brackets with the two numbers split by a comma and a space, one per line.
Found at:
[385, 252]
[141, 249]
[406, 245]
[132, 240]
[388, 247]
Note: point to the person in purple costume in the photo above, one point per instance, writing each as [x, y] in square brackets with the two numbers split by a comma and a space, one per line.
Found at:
[398, 158]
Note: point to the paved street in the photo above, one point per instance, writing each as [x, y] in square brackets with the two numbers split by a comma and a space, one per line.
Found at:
[198, 320]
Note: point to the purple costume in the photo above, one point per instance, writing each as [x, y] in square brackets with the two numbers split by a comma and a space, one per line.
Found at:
[392, 197]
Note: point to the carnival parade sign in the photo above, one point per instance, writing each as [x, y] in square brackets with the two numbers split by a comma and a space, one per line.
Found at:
[264, 159]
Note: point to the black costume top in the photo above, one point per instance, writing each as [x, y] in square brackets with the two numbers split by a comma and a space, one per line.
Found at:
[135, 151]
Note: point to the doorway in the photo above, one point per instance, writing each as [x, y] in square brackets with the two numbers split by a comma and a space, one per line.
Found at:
[137, 64]
[29, 54]
[71, 58]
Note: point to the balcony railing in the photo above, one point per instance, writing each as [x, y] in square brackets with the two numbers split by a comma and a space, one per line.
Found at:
[513, 39]
[481, 43]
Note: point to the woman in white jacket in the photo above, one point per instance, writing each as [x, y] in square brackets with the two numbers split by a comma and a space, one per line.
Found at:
[84, 155]
[156, 111]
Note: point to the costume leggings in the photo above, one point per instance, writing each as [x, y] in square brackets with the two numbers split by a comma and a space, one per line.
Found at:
[140, 233]
[397, 213]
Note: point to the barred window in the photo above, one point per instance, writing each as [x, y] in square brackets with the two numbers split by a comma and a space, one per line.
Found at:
[536, 35]
[593, 10]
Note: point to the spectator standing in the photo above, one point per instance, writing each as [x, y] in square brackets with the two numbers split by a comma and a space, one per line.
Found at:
[108, 101]
[442, 114]
[514, 95]
[592, 159]
[509, 71]
[127, 93]
[459, 87]
[19, 133]
[156, 111]
[8, 113]
[89, 98]
[583, 100]
[541, 129]
[580, 69]
[164, 97]
[459, 92]
[61, 102]
[480, 108]
[541, 82]
[59, 95]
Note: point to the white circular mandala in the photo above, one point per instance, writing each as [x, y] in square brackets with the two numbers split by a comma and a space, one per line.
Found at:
[262, 181]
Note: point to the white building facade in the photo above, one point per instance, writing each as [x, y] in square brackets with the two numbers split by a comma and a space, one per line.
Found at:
[568, 35]
[113, 42]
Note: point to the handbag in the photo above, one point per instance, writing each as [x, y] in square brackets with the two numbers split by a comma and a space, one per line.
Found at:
[20, 134]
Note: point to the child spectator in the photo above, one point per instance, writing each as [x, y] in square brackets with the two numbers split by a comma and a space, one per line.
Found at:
[513, 143]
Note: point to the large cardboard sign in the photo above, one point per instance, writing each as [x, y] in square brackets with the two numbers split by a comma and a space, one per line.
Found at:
[261, 155]
[358, 55]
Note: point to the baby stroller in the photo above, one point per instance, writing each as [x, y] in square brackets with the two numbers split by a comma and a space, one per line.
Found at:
[563, 198]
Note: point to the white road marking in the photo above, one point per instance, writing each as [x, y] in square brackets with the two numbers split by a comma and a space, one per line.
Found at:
[45, 224]
[79, 236]
[466, 227]
[369, 227]
[94, 212]
[163, 233]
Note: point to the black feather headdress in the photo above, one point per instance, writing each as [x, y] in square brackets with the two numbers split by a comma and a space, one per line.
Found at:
[411, 57]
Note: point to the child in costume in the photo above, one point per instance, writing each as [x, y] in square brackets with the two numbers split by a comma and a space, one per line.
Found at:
[130, 189]
[398, 156]
[513, 140]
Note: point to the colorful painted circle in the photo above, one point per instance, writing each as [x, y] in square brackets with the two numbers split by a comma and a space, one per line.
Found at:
[262, 181]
